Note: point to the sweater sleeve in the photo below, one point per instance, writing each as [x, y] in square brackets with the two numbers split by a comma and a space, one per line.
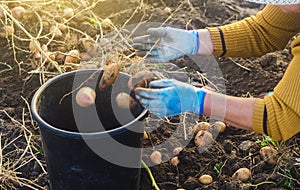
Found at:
[279, 115]
[268, 31]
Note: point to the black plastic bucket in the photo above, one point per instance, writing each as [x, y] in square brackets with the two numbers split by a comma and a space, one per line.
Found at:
[97, 147]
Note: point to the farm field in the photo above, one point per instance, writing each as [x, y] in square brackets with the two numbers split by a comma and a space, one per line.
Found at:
[58, 31]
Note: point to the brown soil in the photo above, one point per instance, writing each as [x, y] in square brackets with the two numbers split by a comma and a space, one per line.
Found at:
[25, 169]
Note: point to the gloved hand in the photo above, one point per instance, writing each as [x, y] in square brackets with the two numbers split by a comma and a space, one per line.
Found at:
[166, 43]
[169, 97]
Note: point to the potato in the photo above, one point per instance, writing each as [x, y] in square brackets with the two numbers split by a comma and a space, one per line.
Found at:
[60, 57]
[33, 45]
[56, 32]
[141, 79]
[85, 97]
[106, 23]
[109, 76]
[242, 174]
[86, 43]
[146, 136]
[155, 157]
[219, 126]
[72, 57]
[203, 138]
[125, 101]
[62, 27]
[85, 56]
[201, 126]
[68, 13]
[175, 161]
[269, 155]
[18, 12]
[51, 55]
[105, 44]
[177, 150]
[205, 179]
[167, 10]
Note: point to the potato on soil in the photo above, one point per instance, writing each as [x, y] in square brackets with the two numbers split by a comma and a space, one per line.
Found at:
[68, 13]
[106, 23]
[105, 44]
[203, 138]
[219, 126]
[85, 97]
[177, 150]
[33, 45]
[155, 157]
[60, 57]
[269, 155]
[167, 10]
[205, 179]
[146, 136]
[72, 57]
[56, 32]
[141, 79]
[62, 27]
[51, 55]
[109, 76]
[86, 43]
[175, 161]
[18, 12]
[242, 174]
[125, 101]
[201, 126]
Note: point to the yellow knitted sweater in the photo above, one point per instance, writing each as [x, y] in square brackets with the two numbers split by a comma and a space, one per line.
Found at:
[270, 30]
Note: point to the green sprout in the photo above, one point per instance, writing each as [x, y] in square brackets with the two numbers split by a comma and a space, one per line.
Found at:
[40, 151]
[94, 22]
[150, 175]
[217, 168]
[161, 66]
[258, 184]
[266, 140]
[288, 181]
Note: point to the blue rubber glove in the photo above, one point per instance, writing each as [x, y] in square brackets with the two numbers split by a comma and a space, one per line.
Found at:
[169, 97]
[166, 44]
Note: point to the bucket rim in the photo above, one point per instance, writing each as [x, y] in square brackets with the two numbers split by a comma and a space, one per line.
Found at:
[46, 125]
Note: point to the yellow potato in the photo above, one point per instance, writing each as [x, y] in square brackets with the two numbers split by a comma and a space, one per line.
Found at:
[203, 138]
[219, 126]
[242, 174]
[205, 179]
[201, 126]
[175, 161]
[269, 155]
[155, 157]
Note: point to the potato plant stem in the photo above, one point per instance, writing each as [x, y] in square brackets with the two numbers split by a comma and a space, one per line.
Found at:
[150, 174]
[261, 183]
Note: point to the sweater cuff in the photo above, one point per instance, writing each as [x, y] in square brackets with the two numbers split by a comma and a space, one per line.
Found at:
[217, 41]
[258, 116]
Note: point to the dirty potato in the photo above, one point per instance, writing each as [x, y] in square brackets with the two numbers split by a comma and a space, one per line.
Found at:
[109, 76]
[141, 79]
